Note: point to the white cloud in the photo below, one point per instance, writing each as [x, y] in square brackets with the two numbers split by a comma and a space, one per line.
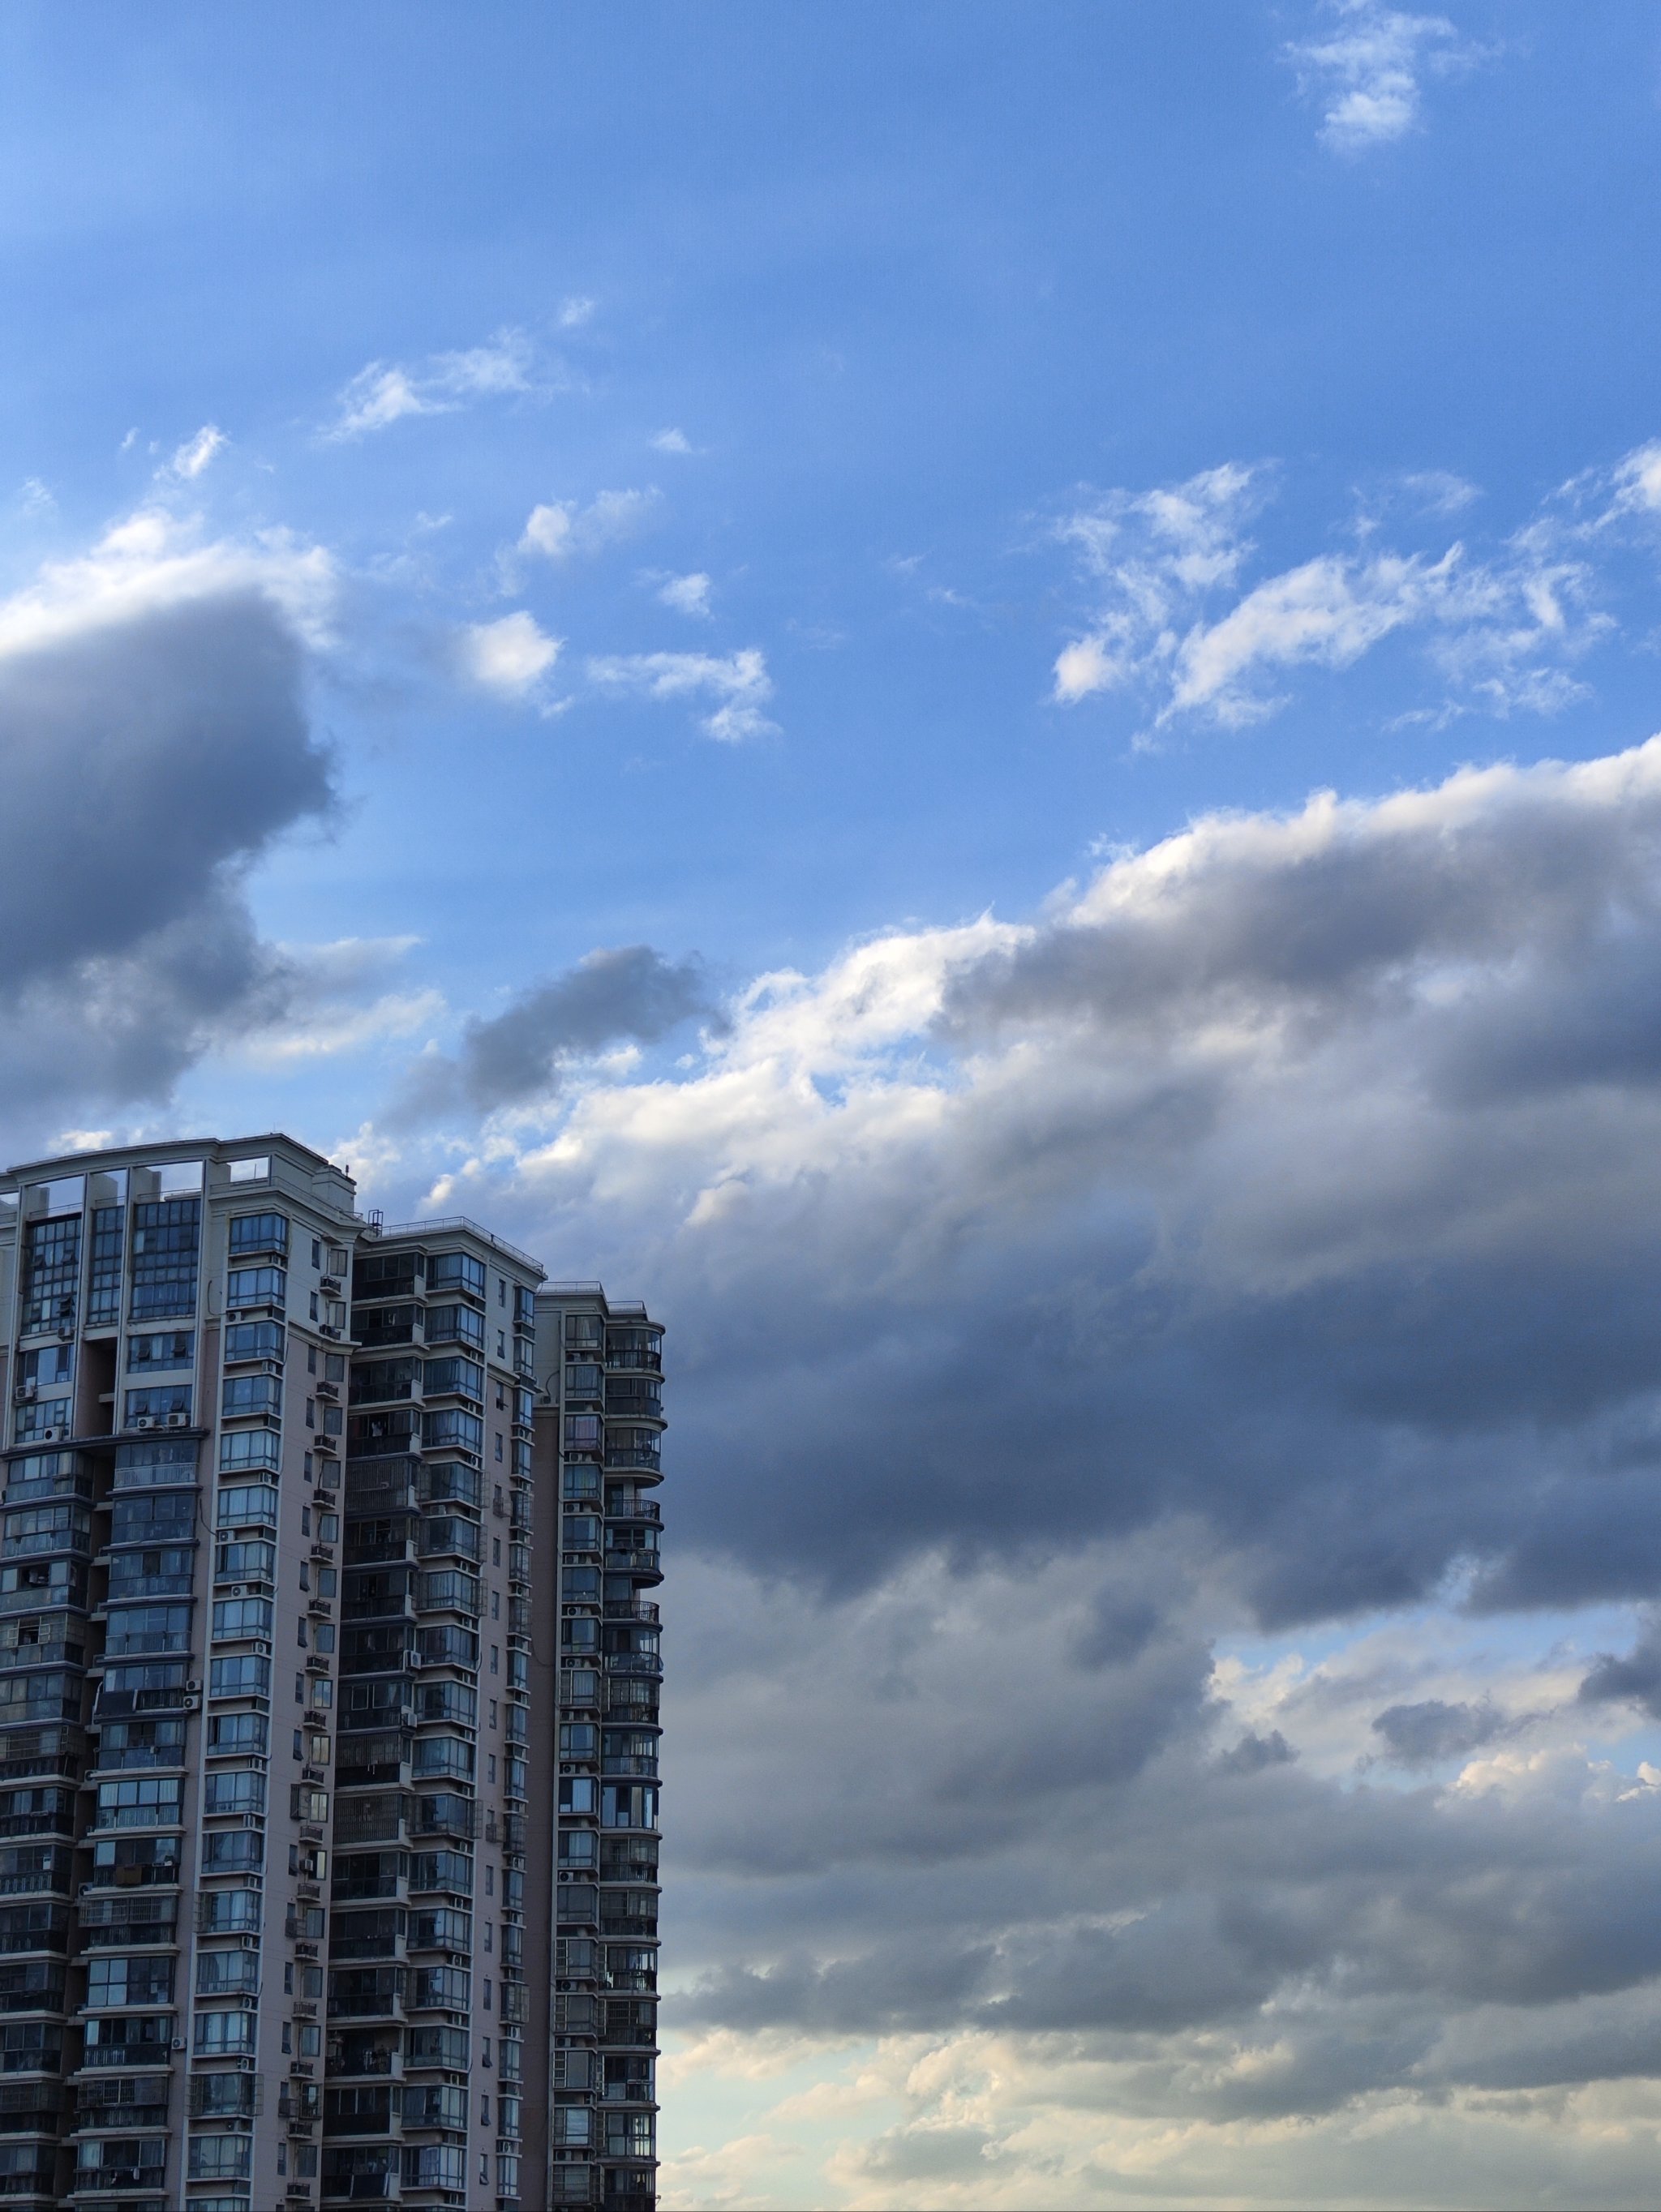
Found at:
[563, 528]
[1367, 73]
[34, 498]
[1173, 626]
[673, 442]
[739, 681]
[510, 655]
[190, 458]
[381, 394]
[152, 560]
[575, 311]
[688, 595]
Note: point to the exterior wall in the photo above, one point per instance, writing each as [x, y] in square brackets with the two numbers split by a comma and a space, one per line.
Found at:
[595, 1733]
[168, 1592]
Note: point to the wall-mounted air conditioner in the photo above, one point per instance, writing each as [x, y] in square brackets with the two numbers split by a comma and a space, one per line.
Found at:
[145, 1421]
[178, 1420]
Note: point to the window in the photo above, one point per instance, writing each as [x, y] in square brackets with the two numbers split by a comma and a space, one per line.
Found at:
[259, 1232]
[233, 1850]
[242, 1616]
[157, 1403]
[244, 1394]
[253, 1340]
[50, 1272]
[255, 1169]
[256, 1286]
[141, 1628]
[235, 1790]
[238, 1732]
[219, 2158]
[166, 1239]
[246, 1676]
[249, 1448]
[462, 1377]
[139, 1980]
[143, 1800]
[243, 1506]
[167, 1347]
[456, 1271]
[450, 1425]
[459, 1324]
[227, 1973]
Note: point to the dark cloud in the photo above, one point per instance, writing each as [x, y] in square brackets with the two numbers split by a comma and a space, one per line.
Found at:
[148, 763]
[1419, 1735]
[141, 760]
[1269, 1237]
[628, 992]
[1632, 1680]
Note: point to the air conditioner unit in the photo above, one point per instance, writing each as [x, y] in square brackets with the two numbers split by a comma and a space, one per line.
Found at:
[233, 1313]
[192, 1684]
[24, 1392]
[191, 1705]
[145, 1421]
[53, 1436]
[177, 2044]
[178, 1420]
[236, 1590]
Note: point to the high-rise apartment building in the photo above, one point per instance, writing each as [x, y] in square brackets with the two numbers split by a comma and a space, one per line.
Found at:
[297, 1879]
[594, 1776]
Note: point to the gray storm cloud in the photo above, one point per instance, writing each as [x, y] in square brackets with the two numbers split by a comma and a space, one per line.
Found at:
[1272, 1237]
[149, 763]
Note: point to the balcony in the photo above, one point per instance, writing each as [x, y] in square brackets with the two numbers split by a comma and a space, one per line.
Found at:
[633, 1608]
[634, 1456]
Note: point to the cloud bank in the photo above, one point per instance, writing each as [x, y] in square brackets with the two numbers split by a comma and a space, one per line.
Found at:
[1070, 1317]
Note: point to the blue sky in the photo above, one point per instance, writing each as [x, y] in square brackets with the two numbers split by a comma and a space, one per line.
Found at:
[912, 291]
[967, 692]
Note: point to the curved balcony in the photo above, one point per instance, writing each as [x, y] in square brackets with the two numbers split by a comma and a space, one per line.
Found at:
[633, 1608]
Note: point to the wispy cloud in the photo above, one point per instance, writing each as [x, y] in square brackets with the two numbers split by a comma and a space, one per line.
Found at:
[1179, 627]
[563, 528]
[738, 681]
[510, 656]
[687, 595]
[383, 393]
[673, 442]
[190, 458]
[1368, 71]
[575, 311]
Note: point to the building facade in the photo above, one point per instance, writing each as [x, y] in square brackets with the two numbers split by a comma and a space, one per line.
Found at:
[594, 1778]
[276, 1919]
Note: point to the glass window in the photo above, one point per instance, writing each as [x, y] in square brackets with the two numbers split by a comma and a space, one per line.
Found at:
[249, 1448]
[251, 1393]
[245, 1676]
[157, 1402]
[166, 1235]
[259, 1232]
[242, 1616]
[165, 1347]
[256, 1286]
[50, 1272]
[253, 1340]
[456, 1271]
